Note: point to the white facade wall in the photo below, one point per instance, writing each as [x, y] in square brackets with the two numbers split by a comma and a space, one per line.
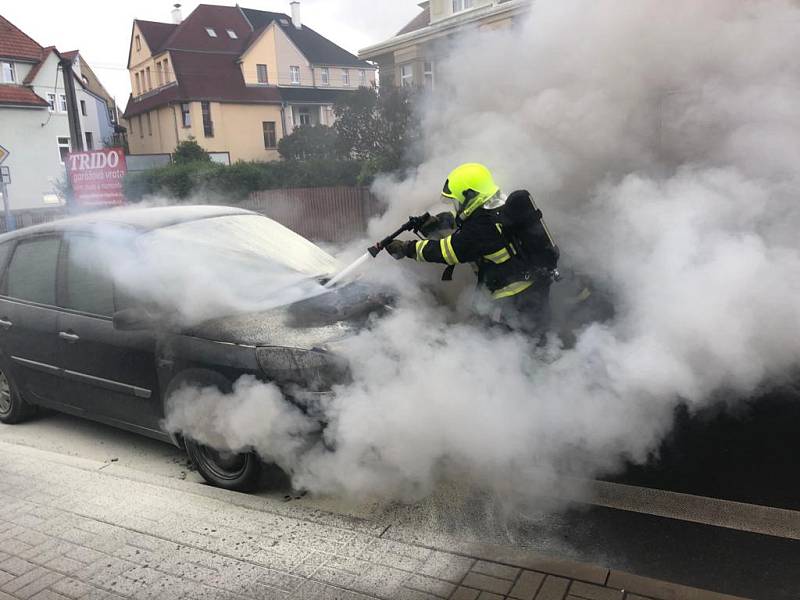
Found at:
[32, 136]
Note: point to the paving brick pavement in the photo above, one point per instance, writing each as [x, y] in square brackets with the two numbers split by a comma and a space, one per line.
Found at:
[74, 530]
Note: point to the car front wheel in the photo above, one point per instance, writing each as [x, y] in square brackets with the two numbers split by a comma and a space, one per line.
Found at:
[13, 408]
[228, 470]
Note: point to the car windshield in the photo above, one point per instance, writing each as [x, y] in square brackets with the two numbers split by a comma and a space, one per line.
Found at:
[244, 239]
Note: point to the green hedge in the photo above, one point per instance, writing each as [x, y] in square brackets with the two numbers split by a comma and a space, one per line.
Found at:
[209, 181]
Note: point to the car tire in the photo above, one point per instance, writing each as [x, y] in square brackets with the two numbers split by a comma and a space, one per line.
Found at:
[13, 407]
[230, 471]
[227, 470]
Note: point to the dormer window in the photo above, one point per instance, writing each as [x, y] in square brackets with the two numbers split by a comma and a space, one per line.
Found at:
[211, 32]
[325, 76]
[138, 43]
[461, 5]
[232, 34]
[9, 73]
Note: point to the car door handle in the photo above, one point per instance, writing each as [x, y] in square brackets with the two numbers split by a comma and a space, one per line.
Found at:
[6, 324]
[69, 337]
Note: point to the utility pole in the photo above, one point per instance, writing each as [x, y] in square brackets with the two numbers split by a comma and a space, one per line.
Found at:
[73, 116]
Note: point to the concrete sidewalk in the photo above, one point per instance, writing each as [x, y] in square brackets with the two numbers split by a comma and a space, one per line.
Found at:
[78, 529]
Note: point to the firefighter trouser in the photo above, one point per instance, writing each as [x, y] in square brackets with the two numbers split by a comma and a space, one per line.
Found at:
[528, 312]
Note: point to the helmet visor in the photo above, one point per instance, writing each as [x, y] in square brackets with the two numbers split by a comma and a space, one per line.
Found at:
[452, 203]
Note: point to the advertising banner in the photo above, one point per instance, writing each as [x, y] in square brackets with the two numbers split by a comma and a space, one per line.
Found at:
[97, 176]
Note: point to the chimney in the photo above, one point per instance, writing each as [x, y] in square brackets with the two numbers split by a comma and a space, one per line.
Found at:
[296, 20]
[177, 17]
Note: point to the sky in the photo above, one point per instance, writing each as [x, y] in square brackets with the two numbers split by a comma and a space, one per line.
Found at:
[101, 29]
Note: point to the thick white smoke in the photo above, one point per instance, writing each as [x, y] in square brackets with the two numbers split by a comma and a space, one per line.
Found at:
[662, 140]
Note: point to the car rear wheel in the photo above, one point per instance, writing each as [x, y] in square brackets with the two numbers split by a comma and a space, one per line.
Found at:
[13, 408]
[228, 470]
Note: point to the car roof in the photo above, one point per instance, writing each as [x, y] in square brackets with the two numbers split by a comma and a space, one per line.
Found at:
[139, 218]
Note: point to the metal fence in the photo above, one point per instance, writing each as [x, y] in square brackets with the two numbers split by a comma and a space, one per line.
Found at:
[332, 214]
[27, 218]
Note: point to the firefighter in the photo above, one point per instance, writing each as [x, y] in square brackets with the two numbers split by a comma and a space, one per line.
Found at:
[515, 269]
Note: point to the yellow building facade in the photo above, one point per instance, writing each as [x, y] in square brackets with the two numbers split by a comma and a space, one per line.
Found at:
[234, 80]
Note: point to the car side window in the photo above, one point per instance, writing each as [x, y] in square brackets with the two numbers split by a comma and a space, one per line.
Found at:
[32, 271]
[5, 250]
[89, 285]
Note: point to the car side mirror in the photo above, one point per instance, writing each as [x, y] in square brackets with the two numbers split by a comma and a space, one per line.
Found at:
[133, 319]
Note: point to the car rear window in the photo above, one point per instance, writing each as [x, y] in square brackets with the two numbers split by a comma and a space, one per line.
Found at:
[32, 271]
[89, 284]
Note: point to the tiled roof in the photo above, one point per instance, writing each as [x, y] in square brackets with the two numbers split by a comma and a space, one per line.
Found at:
[191, 34]
[15, 44]
[205, 76]
[155, 34]
[318, 49]
[421, 21]
[19, 95]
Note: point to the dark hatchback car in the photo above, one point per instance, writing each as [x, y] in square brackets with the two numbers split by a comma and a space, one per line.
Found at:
[72, 340]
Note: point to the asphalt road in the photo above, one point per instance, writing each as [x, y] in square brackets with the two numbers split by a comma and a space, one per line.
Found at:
[750, 456]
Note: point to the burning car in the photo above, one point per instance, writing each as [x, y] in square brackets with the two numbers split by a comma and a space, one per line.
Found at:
[92, 319]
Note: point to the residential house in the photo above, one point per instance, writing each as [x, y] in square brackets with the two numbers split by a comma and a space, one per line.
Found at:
[236, 80]
[410, 57]
[33, 115]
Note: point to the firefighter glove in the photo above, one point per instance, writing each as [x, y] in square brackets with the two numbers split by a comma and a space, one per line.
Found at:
[400, 249]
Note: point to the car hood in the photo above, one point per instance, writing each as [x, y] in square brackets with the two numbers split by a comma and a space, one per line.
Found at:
[310, 323]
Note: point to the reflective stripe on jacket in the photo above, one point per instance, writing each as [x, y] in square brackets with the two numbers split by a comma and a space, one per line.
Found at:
[480, 240]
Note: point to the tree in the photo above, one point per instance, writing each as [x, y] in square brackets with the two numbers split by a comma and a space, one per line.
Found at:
[189, 151]
[309, 142]
[356, 123]
[379, 127]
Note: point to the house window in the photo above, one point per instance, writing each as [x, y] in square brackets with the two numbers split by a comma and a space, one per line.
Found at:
[51, 100]
[270, 135]
[9, 72]
[138, 85]
[139, 124]
[62, 104]
[232, 34]
[346, 77]
[362, 78]
[167, 77]
[149, 125]
[304, 115]
[325, 76]
[160, 73]
[429, 74]
[208, 124]
[64, 148]
[83, 108]
[89, 140]
[294, 72]
[138, 42]
[459, 5]
[147, 78]
[407, 75]
[263, 74]
[211, 33]
[186, 115]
